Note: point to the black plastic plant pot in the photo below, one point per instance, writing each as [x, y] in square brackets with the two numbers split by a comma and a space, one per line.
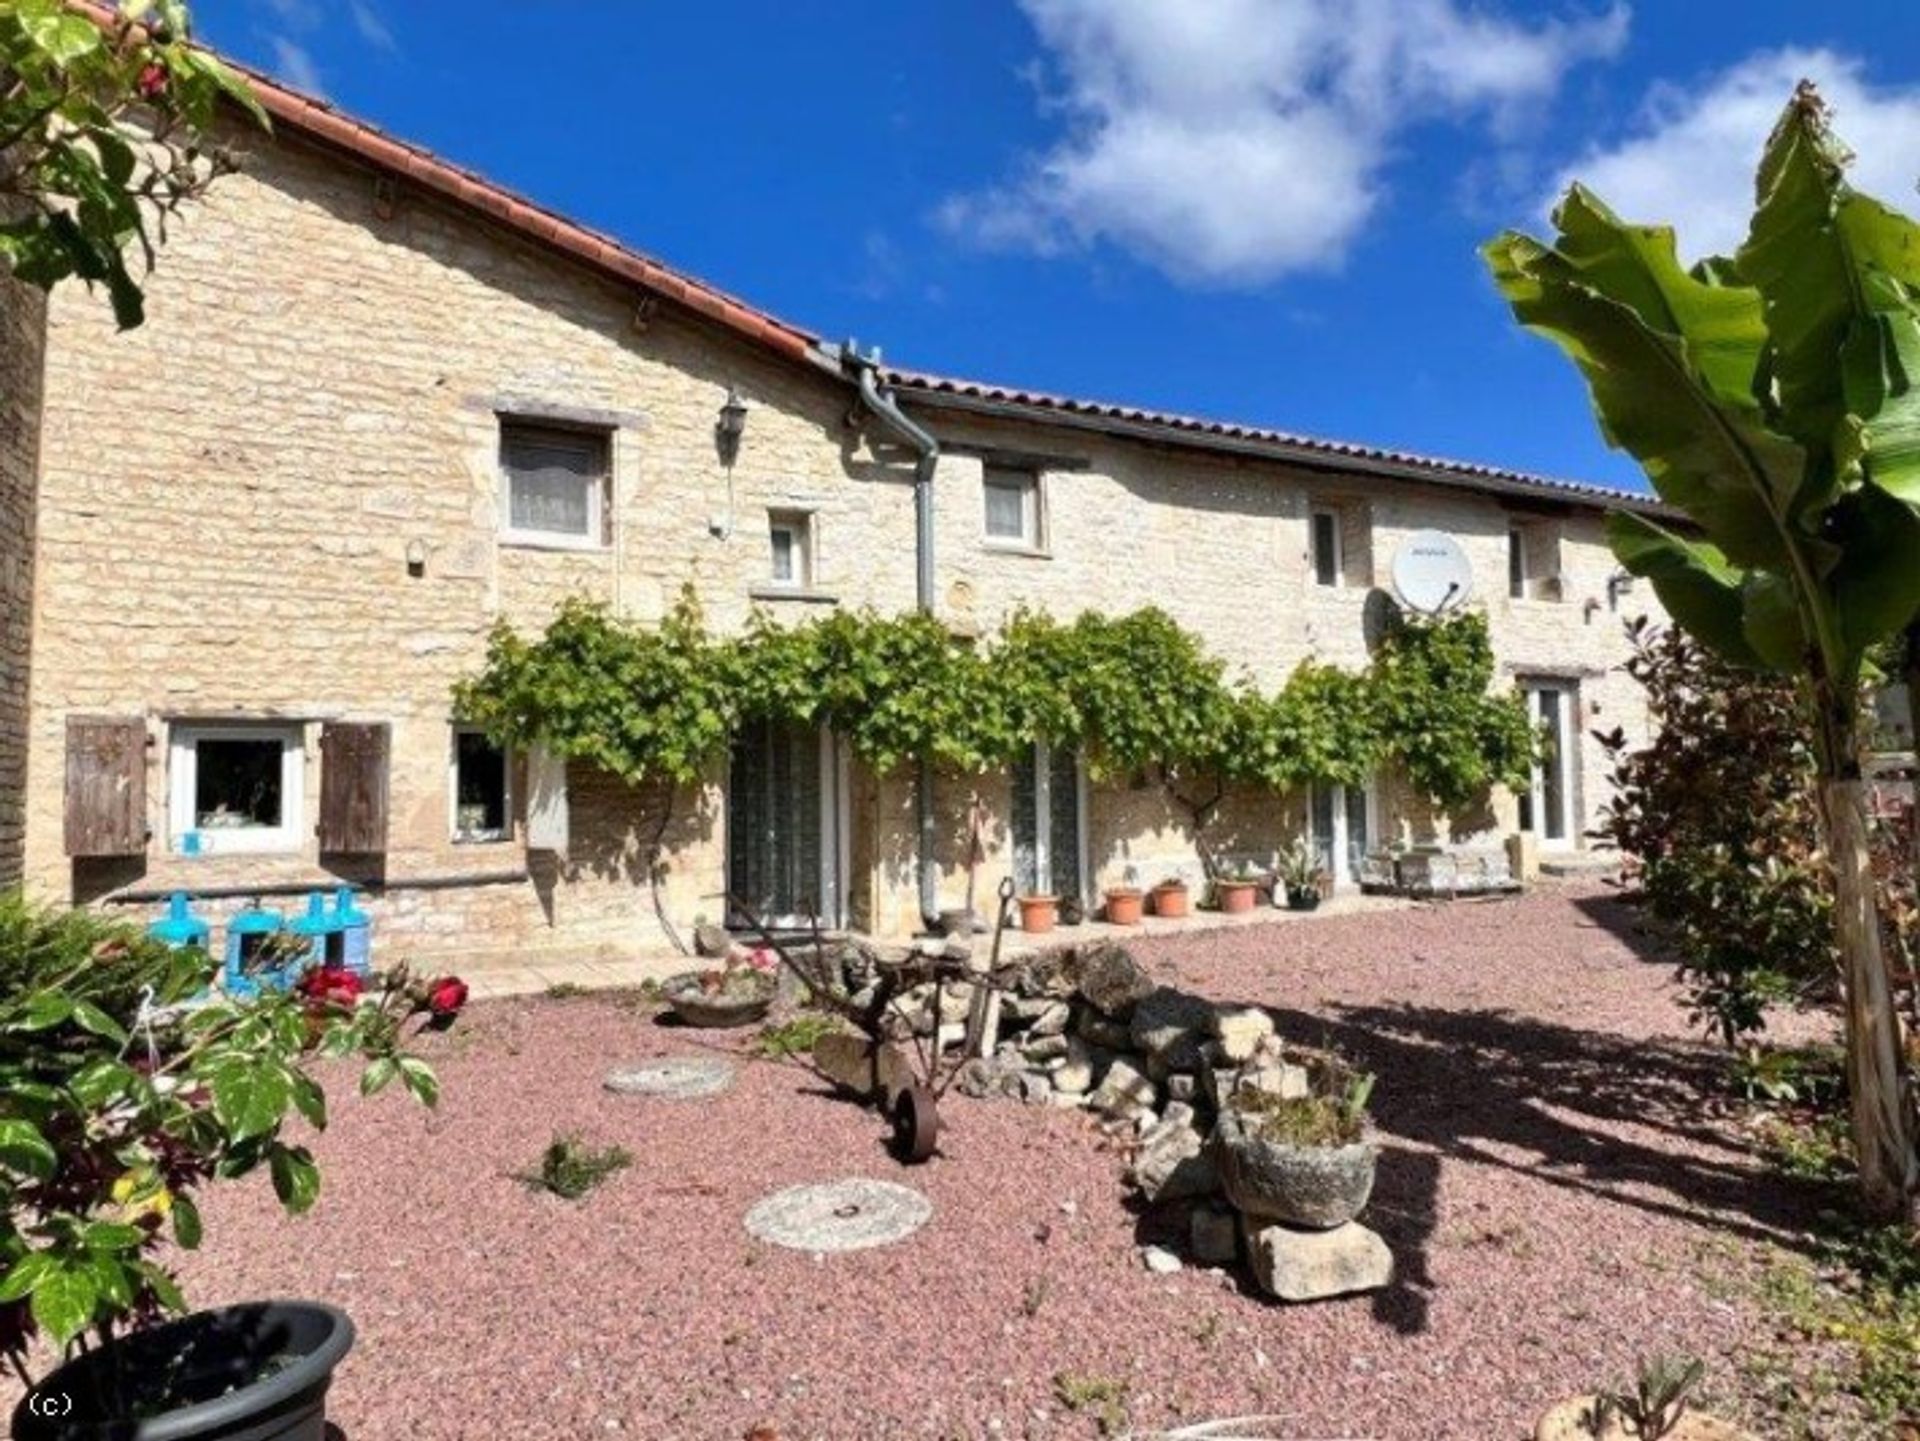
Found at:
[257, 1372]
[1303, 900]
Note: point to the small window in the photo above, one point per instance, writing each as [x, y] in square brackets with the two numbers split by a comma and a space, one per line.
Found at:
[790, 538]
[1013, 507]
[1533, 561]
[1327, 566]
[482, 789]
[236, 788]
[556, 484]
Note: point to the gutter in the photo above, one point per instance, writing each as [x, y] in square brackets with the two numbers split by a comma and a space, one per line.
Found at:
[881, 404]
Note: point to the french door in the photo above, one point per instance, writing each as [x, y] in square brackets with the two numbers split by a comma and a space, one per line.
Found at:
[1049, 823]
[786, 824]
[1340, 825]
[1546, 807]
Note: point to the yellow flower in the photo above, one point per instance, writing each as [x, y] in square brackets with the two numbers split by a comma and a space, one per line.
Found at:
[140, 1195]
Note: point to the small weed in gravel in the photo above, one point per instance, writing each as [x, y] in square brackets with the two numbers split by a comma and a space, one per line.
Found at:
[571, 1168]
[566, 991]
[1033, 1297]
[1101, 1397]
[795, 1036]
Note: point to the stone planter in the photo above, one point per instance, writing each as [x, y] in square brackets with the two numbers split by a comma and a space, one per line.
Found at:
[1235, 897]
[1038, 914]
[1125, 906]
[1314, 1186]
[720, 1009]
[1172, 901]
[256, 1372]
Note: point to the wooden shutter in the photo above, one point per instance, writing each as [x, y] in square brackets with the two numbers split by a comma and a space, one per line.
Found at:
[353, 788]
[106, 786]
[547, 812]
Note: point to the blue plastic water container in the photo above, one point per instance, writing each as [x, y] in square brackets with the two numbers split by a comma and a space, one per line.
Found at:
[350, 943]
[315, 930]
[247, 933]
[180, 926]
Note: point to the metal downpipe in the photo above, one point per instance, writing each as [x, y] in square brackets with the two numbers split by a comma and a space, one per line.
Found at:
[927, 453]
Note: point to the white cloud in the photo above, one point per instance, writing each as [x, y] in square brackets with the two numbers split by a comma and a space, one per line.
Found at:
[1691, 157]
[1235, 141]
[293, 64]
[372, 28]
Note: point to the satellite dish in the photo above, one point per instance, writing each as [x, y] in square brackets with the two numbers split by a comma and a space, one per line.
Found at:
[1431, 573]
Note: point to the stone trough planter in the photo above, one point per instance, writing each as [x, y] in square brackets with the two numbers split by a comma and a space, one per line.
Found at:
[717, 1010]
[1319, 1187]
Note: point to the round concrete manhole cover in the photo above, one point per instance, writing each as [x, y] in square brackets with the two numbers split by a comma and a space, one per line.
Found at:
[848, 1215]
[682, 1078]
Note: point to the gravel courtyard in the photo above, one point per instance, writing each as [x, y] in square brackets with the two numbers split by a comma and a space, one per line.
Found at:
[1551, 1187]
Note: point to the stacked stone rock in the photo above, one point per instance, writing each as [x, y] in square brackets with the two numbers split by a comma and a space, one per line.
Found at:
[1086, 1028]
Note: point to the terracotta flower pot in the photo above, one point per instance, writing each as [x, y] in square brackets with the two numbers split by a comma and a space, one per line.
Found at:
[1172, 901]
[1038, 913]
[1235, 897]
[1125, 906]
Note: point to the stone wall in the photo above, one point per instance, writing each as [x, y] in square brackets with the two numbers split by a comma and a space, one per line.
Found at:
[22, 335]
[230, 495]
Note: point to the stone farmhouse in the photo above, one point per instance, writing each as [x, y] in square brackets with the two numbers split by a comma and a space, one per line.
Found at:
[379, 403]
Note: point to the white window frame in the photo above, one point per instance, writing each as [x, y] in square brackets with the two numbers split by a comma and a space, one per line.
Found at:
[799, 525]
[183, 774]
[1569, 693]
[595, 537]
[1332, 517]
[1032, 509]
[483, 836]
[1343, 873]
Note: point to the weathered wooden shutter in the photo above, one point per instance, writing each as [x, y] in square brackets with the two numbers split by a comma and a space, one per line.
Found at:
[546, 802]
[106, 786]
[353, 788]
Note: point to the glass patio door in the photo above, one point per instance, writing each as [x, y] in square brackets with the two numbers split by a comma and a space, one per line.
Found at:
[1049, 833]
[1546, 807]
[784, 826]
[1340, 824]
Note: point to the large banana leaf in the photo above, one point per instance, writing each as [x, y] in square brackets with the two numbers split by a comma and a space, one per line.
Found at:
[1774, 399]
[1670, 360]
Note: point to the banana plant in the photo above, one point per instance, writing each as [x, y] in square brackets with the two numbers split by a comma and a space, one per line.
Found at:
[1773, 400]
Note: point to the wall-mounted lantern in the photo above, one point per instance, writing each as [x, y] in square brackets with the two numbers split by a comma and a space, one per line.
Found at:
[728, 429]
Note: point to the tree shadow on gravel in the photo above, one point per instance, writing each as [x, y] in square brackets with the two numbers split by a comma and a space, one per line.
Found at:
[1621, 915]
[1577, 1106]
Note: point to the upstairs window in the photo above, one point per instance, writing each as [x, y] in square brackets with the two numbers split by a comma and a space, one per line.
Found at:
[1327, 567]
[482, 789]
[556, 484]
[1012, 507]
[790, 549]
[1533, 561]
[235, 788]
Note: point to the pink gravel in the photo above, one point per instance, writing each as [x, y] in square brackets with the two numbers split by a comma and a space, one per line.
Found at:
[1548, 1182]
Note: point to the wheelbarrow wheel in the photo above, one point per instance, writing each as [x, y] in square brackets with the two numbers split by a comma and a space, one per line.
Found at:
[916, 1125]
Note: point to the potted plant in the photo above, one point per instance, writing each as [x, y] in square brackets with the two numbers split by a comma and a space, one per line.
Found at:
[126, 1085]
[1302, 1160]
[1301, 876]
[1171, 899]
[1236, 891]
[1125, 905]
[1038, 913]
[737, 993]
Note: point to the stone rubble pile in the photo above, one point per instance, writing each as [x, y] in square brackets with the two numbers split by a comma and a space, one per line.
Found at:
[1085, 1027]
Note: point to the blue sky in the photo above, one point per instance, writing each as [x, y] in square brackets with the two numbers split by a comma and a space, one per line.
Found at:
[1262, 210]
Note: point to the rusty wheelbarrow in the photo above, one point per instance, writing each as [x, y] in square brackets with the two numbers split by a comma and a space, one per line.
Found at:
[888, 1062]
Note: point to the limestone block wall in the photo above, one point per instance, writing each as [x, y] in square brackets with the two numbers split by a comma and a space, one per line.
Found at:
[232, 491]
[22, 352]
[231, 500]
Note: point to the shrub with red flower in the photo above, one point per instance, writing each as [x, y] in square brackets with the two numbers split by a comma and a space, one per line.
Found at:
[445, 998]
[331, 986]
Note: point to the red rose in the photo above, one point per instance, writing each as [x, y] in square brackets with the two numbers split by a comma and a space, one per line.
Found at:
[446, 996]
[331, 984]
[152, 81]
